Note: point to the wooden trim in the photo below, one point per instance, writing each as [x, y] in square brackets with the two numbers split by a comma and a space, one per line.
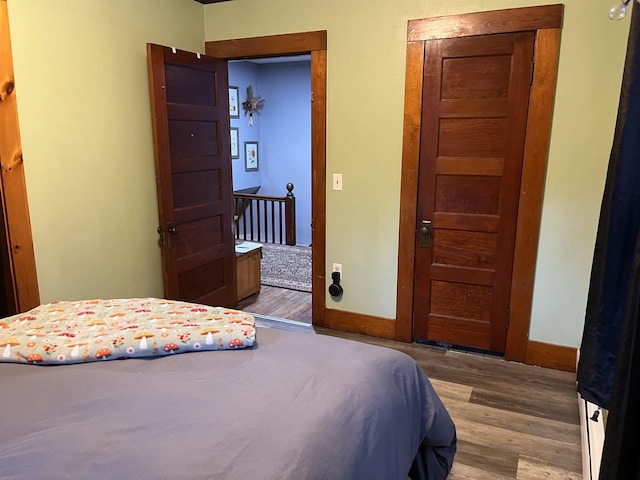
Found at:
[409, 190]
[17, 225]
[534, 167]
[273, 45]
[318, 184]
[486, 23]
[546, 355]
[547, 22]
[314, 43]
[359, 323]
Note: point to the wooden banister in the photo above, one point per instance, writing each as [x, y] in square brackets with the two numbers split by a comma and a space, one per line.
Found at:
[266, 218]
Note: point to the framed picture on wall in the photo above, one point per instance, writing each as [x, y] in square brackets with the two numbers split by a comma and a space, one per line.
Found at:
[251, 156]
[235, 145]
[234, 102]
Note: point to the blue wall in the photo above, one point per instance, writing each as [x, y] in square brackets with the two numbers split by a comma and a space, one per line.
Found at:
[283, 131]
[242, 74]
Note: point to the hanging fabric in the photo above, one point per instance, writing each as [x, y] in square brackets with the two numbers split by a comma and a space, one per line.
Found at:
[620, 453]
[616, 240]
[609, 365]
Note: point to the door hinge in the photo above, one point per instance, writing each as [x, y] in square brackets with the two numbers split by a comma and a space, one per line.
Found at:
[508, 318]
[160, 236]
[166, 235]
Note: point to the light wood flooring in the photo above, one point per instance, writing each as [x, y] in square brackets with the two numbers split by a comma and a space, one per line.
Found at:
[279, 303]
[513, 421]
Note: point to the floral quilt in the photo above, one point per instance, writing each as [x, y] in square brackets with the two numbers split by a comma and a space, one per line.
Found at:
[94, 330]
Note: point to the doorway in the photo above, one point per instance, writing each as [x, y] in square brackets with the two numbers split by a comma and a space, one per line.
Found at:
[282, 134]
[545, 23]
[315, 45]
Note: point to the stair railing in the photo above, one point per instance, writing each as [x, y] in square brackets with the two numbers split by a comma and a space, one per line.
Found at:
[266, 218]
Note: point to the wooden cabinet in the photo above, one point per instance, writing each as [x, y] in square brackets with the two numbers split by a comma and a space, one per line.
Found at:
[248, 257]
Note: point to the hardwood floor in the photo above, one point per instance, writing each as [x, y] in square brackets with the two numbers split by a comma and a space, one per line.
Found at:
[279, 303]
[513, 421]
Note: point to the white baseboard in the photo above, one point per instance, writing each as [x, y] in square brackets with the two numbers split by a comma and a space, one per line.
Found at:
[592, 434]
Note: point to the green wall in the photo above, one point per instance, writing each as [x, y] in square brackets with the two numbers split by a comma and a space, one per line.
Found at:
[83, 104]
[365, 70]
[84, 112]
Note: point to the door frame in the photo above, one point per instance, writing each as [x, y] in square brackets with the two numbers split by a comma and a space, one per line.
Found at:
[18, 256]
[546, 22]
[314, 43]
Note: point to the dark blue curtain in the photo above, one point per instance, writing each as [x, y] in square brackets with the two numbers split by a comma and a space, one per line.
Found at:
[609, 365]
[616, 240]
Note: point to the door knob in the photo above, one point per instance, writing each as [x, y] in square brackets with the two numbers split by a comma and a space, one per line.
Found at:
[172, 232]
[425, 233]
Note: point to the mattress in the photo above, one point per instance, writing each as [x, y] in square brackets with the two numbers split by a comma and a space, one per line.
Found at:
[294, 406]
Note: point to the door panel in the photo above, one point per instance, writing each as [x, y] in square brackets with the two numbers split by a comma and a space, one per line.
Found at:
[467, 194]
[189, 96]
[464, 249]
[472, 137]
[189, 86]
[475, 100]
[189, 138]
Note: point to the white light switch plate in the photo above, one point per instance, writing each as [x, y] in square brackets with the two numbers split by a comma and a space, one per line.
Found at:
[337, 181]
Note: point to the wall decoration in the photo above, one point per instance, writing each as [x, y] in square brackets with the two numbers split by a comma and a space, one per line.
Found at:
[234, 99]
[253, 104]
[251, 156]
[235, 144]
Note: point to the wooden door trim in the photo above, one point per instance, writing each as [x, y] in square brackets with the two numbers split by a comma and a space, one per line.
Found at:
[17, 242]
[486, 23]
[314, 43]
[546, 21]
[272, 45]
[534, 169]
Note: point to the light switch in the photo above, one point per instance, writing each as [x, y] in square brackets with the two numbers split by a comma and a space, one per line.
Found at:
[337, 181]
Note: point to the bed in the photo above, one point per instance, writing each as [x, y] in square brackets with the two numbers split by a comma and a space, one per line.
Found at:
[290, 405]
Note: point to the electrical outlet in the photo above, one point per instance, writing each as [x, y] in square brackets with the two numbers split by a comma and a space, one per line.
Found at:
[337, 267]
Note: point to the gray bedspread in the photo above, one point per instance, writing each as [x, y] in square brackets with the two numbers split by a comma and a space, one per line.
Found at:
[296, 406]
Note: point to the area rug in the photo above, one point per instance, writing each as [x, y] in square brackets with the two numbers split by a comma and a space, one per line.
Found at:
[286, 266]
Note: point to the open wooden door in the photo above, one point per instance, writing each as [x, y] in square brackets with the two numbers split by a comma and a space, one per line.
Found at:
[190, 113]
[475, 101]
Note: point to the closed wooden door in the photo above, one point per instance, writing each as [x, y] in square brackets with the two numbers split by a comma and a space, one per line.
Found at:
[475, 101]
[190, 113]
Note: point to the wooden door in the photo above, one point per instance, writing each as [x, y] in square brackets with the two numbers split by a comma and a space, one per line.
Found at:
[190, 113]
[475, 100]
